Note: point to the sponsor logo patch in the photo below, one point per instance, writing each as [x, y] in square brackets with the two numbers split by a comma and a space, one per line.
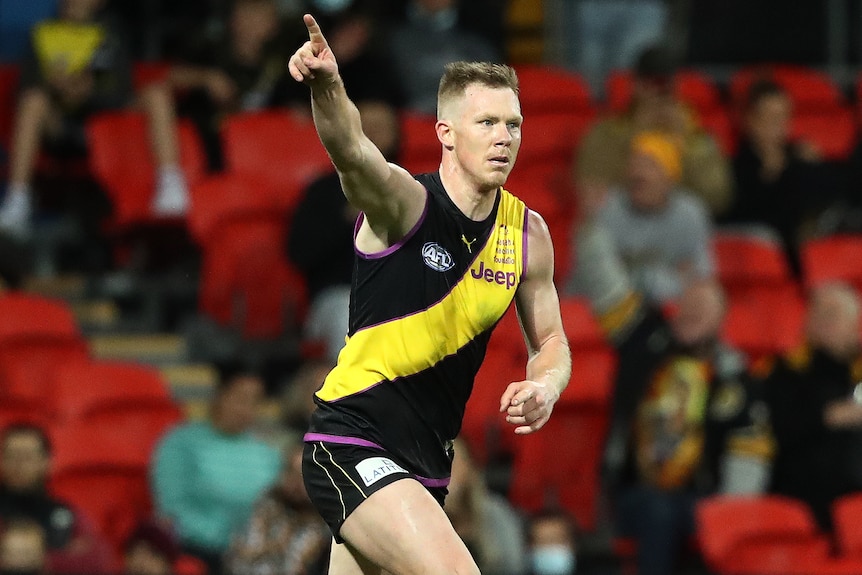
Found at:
[501, 278]
[376, 468]
[436, 257]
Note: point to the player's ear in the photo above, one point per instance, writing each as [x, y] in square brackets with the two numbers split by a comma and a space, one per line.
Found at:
[445, 134]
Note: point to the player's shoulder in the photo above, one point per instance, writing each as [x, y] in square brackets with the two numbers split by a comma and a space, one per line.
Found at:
[535, 221]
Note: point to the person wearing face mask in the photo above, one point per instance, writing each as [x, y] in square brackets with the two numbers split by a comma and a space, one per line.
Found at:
[552, 537]
[815, 400]
[686, 419]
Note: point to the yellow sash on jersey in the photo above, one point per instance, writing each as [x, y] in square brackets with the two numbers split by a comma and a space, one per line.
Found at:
[407, 345]
[69, 45]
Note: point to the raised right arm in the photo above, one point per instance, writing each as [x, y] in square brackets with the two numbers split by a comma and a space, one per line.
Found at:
[391, 199]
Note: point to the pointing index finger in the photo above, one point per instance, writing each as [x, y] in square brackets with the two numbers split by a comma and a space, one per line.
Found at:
[314, 33]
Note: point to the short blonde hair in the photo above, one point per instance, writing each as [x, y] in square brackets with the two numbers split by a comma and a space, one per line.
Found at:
[458, 75]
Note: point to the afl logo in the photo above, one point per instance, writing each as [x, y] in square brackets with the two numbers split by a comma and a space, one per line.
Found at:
[436, 257]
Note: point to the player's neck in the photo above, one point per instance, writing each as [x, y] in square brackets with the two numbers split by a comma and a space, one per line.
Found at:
[474, 202]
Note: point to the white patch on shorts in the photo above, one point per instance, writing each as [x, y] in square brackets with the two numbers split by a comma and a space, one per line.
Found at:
[376, 468]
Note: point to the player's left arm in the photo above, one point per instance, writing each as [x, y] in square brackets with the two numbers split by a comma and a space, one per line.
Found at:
[528, 403]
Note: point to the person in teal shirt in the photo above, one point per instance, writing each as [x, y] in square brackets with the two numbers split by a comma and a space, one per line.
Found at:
[206, 476]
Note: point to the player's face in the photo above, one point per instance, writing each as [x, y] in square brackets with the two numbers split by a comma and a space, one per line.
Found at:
[487, 134]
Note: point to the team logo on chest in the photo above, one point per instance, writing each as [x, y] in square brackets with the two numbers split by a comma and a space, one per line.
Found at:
[436, 257]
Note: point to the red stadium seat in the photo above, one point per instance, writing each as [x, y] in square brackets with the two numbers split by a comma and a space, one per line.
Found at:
[592, 379]
[560, 464]
[217, 200]
[551, 138]
[420, 149]
[32, 317]
[247, 283]
[831, 132]
[581, 326]
[14, 412]
[833, 258]
[103, 471]
[765, 321]
[36, 335]
[484, 427]
[115, 499]
[82, 389]
[846, 512]
[278, 149]
[759, 535]
[747, 260]
[548, 89]
[121, 159]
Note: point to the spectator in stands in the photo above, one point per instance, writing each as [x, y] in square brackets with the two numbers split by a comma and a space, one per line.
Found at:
[660, 232]
[78, 66]
[684, 407]
[207, 475]
[23, 548]
[285, 535]
[150, 550]
[427, 39]
[602, 158]
[779, 183]
[241, 70]
[606, 35]
[25, 461]
[490, 527]
[553, 542]
[815, 400]
[320, 237]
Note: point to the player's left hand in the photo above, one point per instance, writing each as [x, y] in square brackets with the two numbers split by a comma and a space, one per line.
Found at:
[528, 404]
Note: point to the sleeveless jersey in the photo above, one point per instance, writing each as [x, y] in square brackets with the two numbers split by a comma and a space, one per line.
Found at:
[421, 315]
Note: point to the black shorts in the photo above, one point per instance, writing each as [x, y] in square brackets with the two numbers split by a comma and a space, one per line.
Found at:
[342, 472]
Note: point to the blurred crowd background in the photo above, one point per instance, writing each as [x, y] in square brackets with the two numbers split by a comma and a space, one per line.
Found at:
[175, 255]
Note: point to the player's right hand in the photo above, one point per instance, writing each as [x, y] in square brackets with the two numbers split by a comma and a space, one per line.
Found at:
[314, 63]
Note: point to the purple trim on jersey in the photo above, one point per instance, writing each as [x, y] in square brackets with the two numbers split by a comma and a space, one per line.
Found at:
[394, 247]
[524, 242]
[429, 482]
[341, 439]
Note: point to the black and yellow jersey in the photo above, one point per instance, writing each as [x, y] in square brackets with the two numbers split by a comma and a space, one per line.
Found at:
[421, 315]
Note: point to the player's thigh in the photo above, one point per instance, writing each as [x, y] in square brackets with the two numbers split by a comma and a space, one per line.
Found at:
[403, 529]
[343, 560]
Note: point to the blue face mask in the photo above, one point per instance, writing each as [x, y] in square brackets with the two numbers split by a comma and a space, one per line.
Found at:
[553, 560]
